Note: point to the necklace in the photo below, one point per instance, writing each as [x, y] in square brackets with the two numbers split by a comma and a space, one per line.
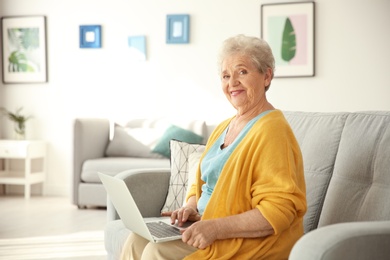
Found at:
[233, 131]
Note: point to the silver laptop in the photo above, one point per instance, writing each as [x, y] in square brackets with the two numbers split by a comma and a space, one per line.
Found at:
[155, 229]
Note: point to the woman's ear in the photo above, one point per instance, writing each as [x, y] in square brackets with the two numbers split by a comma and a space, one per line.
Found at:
[268, 77]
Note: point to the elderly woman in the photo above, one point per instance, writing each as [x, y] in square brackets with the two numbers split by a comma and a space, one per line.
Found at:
[248, 201]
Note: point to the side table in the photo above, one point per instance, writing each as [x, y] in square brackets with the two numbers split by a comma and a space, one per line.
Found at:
[26, 150]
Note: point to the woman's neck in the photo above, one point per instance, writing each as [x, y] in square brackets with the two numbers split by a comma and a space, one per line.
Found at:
[246, 116]
[239, 122]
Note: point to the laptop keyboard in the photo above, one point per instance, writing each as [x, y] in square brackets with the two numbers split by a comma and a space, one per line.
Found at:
[161, 229]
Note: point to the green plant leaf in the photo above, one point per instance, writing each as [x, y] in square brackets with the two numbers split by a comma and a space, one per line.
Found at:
[19, 63]
[29, 38]
[288, 41]
[15, 117]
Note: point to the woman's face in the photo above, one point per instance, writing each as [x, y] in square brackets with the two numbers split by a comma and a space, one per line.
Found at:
[242, 83]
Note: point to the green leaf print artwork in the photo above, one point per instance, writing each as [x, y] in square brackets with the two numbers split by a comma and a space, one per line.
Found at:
[288, 41]
[24, 43]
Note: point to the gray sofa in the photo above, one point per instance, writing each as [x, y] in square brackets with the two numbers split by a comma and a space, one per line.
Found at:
[100, 145]
[347, 172]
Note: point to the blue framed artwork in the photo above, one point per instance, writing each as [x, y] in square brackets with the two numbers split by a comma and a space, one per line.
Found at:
[137, 45]
[90, 36]
[178, 28]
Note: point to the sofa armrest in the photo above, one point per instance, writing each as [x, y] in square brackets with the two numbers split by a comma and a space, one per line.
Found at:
[90, 140]
[352, 240]
[149, 188]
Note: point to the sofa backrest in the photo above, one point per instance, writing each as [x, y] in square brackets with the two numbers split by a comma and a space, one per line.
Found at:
[196, 126]
[360, 186]
[318, 135]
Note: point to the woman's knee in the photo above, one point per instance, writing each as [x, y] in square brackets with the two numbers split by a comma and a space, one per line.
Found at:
[168, 250]
[133, 247]
[155, 251]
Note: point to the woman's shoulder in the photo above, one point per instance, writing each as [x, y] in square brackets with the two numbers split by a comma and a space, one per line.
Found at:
[274, 122]
[275, 116]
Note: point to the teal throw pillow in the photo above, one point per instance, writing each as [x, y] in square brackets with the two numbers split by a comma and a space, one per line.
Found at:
[177, 133]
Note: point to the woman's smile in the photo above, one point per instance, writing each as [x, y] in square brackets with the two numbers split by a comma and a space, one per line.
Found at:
[236, 92]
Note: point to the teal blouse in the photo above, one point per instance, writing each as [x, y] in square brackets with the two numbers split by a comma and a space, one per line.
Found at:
[215, 159]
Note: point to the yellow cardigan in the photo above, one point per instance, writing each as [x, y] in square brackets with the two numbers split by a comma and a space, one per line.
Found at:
[265, 171]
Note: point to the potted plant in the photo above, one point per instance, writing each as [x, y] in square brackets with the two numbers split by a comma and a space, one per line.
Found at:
[19, 120]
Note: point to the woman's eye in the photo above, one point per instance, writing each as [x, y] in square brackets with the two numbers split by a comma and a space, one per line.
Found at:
[243, 72]
[225, 76]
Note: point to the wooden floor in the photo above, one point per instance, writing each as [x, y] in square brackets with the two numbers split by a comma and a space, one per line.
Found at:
[46, 216]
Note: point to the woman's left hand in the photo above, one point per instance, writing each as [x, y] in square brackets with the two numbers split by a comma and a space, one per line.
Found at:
[201, 234]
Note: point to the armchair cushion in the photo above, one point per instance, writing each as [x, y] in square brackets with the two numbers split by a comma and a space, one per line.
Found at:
[180, 152]
[318, 135]
[360, 185]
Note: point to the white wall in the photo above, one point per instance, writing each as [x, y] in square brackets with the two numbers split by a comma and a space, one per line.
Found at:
[352, 66]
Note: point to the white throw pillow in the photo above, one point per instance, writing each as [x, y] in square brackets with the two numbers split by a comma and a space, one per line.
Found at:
[133, 142]
[193, 163]
[178, 184]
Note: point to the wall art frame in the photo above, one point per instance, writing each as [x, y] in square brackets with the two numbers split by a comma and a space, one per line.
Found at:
[289, 30]
[137, 45]
[24, 49]
[178, 29]
[90, 36]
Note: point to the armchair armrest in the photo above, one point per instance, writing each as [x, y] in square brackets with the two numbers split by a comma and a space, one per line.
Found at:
[352, 240]
[90, 139]
[149, 188]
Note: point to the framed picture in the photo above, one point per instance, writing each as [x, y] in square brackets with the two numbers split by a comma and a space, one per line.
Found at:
[24, 49]
[137, 45]
[90, 36]
[178, 28]
[289, 30]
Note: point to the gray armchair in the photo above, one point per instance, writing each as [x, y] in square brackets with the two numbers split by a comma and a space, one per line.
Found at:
[347, 171]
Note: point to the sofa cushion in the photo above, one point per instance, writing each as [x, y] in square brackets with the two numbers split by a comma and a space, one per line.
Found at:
[134, 142]
[178, 184]
[360, 186]
[114, 165]
[318, 135]
[139, 137]
[177, 133]
[196, 126]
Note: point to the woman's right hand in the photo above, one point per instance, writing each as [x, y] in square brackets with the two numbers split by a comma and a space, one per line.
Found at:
[183, 215]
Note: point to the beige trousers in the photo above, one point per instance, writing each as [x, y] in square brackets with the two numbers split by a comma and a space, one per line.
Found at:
[138, 248]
